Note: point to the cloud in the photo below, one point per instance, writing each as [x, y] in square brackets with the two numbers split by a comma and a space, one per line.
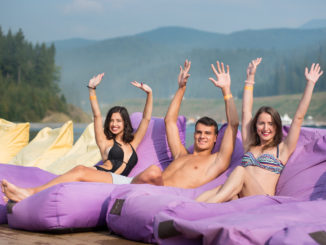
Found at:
[83, 6]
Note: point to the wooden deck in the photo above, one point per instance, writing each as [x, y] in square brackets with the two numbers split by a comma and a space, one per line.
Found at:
[103, 237]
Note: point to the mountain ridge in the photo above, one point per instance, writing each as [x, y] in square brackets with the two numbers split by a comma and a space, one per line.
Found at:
[149, 58]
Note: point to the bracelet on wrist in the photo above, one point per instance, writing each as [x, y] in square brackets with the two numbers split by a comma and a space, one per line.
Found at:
[92, 97]
[227, 96]
[249, 87]
[91, 87]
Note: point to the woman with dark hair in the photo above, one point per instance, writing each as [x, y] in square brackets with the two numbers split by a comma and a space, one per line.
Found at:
[116, 141]
[266, 150]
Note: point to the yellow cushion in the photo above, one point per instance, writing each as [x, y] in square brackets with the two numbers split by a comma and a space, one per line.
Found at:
[13, 137]
[84, 152]
[47, 146]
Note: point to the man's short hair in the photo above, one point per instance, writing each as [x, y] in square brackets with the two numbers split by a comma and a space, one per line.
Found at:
[208, 122]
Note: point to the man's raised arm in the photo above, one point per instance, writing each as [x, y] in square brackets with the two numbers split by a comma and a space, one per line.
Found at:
[223, 81]
[171, 117]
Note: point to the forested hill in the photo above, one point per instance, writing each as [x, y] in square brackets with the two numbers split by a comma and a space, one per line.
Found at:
[279, 39]
[28, 79]
[154, 57]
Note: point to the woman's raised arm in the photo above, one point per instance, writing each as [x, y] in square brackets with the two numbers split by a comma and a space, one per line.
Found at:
[247, 101]
[147, 113]
[98, 123]
[291, 140]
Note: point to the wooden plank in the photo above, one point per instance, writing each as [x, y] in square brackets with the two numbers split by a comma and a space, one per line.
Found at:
[12, 236]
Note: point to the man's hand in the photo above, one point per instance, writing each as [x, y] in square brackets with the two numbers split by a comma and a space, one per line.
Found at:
[223, 79]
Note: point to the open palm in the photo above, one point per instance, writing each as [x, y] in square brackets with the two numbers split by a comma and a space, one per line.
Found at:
[251, 70]
[94, 81]
[314, 73]
[223, 78]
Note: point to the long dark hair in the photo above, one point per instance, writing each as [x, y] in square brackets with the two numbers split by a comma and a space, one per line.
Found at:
[128, 130]
[254, 139]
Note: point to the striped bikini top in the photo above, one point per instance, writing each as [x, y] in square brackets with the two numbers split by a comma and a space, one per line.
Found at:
[265, 161]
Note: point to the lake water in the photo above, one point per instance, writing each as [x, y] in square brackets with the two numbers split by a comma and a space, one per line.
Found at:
[80, 127]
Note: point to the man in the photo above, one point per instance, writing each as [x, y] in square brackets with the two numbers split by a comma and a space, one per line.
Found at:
[191, 170]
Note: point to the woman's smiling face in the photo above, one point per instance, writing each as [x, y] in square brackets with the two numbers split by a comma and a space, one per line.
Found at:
[266, 128]
[116, 123]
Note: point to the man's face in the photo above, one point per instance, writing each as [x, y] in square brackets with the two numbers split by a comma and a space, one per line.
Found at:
[204, 137]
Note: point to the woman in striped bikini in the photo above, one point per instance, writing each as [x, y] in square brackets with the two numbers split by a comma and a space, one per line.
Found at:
[266, 150]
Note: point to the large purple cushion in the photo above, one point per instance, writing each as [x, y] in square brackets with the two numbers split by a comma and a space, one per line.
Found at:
[143, 202]
[249, 223]
[154, 149]
[63, 207]
[83, 205]
[298, 234]
[304, 175]
[140, 204]
[311, 142]
[21, 176]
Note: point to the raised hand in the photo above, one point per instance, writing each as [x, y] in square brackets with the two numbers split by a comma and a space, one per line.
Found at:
[314, 73]
[142, 86]
[223, 78]
[94, 81]
[251, 70]
[184, 75]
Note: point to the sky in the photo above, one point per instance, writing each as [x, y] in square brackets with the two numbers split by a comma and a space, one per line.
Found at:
[52, 20]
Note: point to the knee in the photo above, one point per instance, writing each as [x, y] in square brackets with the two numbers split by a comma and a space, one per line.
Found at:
[79, 172]
[241, 173]
[153, 172]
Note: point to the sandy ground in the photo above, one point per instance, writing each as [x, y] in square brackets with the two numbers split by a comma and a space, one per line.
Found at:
[103, 237]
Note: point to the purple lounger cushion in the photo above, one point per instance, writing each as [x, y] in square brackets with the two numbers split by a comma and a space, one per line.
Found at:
[154, 149]
[300, 234]
[142, 202]
[311, 140]
[67, 206]
[132, 208]
[254, 224]
[81, 205]
[304, 176]
[22, 176]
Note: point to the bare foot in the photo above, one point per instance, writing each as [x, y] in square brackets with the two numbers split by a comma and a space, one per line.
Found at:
[13, 192]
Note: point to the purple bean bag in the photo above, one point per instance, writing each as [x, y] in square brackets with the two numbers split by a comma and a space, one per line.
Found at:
[304, 176]
[300, 234]
[311, 145]
[83, 205]
[22, 176]
[154, 149]
[131, 200]
[67, 206]
[255, 224]
[132, 207]
[303, 179]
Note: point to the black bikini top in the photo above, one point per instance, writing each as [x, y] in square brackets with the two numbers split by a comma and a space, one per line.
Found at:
[116, 155]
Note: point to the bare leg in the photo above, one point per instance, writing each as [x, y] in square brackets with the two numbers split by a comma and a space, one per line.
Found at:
[151, 175]
[208, 194]
[79, 173]
[238, 181]
[231, 187]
